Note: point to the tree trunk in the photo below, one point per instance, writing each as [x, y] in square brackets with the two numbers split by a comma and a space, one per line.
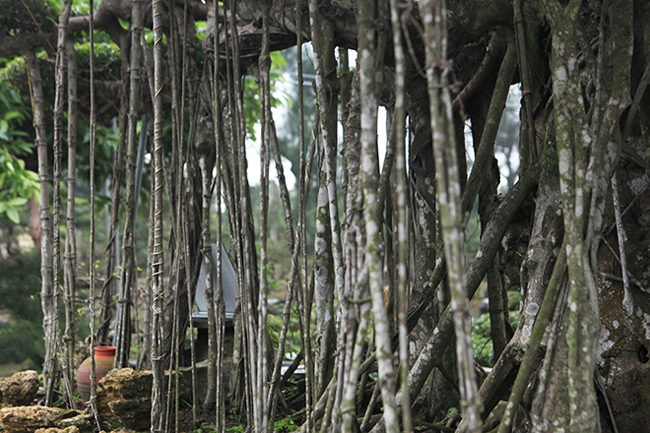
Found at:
[128, 276]
[70, 272]
[328, 238]
[449, 195]
[59, 100]
[50, 315]
[158, 356]
[369, 180]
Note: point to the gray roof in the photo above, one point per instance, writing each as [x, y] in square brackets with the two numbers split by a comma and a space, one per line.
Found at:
[229, 284]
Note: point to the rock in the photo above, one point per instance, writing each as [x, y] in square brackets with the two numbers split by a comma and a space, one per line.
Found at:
[84, 422]
[134, 413]
[124, 398]
[19, 389]
[27, 419]
[71, 429]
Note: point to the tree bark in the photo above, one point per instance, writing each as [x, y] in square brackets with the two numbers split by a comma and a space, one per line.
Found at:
[59, 100]
[328, 241]
[369, 181]
[158, 356]
[70, 271]
[129, 269]
[50, 315]
[449, 199]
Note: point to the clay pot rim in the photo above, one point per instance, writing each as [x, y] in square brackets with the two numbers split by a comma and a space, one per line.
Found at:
[105, 350]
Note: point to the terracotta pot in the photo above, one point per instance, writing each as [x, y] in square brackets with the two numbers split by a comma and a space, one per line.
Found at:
[104, 357]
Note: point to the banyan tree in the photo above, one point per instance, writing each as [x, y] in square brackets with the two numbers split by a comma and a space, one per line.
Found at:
[380, 281]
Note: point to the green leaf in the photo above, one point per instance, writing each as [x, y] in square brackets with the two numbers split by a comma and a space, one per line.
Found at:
[11, 115]
[12, 214]
[18, 201]
[125, 24]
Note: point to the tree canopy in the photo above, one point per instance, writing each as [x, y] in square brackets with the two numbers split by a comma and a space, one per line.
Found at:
[387, 278]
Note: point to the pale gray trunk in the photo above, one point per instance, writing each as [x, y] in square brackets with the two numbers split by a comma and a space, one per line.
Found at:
[158, 356]
[542, 278]
[449, 196]
[402, 212]
[50, 316]
[59, 101]
[217, 326]
[247, 255]
[128, 275]
[214, 343]
[585, 162]
[261, 384]
[206, 174]
[328, 243]
[220, 308]
[144, 357]
[324, 286]
[70, 271]
[93, 132]
[351, 315]
[110, 287]
[369, 178]
[306, 162]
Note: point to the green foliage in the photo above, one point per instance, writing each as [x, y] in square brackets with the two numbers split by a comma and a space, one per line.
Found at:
[106, 139]
[473, 233]
[274, 325]
[12, 73]
[17, 184]
[15, 110]
[107, 59]
[21, 335]
[207, 428]
[79, 8]
[481, 340]
[289, 130]
[252, 94]
[286, 425]
[18, 16]
[293, 344]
